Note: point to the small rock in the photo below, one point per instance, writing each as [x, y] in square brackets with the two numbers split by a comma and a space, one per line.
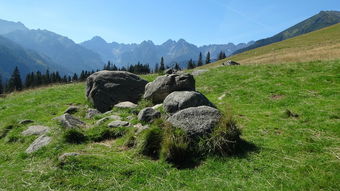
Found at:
[148, 114]
[155, 107]
[65, 155]
[108, 112]
[230, 63]
[25, 121]
[103, 120]
[35, 130]
[72, 109]
[140, 127]
[126, 104]
[198, 72]
[40, 142]
[90, 113]
[114, 117]
[221, 97]
[170, 71]
[118, 124]
[289, 113]
[69, 121]
[130, 117]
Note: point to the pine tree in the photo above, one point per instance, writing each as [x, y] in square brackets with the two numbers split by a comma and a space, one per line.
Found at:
[1, 87]
[200, 62]
[58, 78]
[162, 66]
[191, 64]
[15, 82]
[177, 67]
[221, 55]
[207, 58]
[65, 79]
[108, 67]
[75, 77]
[156, 68]
[82, 75]
[114, 68]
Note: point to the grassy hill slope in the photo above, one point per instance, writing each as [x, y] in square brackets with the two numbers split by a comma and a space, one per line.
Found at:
[293, 153]
[323, 44]
[316, 22]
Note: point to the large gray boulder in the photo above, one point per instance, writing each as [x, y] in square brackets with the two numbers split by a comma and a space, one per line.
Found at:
[162, 86]
[180, 100]
[148, 114]
[196, 121]
[107, 88]
[40, 142]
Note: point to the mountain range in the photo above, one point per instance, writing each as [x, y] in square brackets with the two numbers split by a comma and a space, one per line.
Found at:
[33, 50]
[147, 52]
[43, 49]
[316, 22]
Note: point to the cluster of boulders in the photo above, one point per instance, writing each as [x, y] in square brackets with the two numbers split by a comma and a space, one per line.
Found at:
[185, 108]
[175, 92]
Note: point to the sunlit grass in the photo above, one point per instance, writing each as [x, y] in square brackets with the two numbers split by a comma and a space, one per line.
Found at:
[294, 153]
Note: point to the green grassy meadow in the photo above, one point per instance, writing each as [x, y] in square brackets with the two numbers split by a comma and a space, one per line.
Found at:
[292, 153]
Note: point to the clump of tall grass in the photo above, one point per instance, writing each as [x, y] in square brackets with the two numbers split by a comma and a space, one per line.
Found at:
[150, 142]
[223, 139]
[74, 136]
[178, 148]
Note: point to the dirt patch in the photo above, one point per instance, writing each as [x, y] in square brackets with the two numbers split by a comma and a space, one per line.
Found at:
[106, 143]
[277, 96]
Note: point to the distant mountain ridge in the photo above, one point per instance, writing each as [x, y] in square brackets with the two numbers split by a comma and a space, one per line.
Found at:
[12, 55]
[8, 26]
[316, 22]
[55, 51]
[147, 52]
[59, 49]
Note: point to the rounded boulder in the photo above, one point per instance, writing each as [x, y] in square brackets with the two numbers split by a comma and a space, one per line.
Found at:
[162, 86]
[107, 88]
[196, 121]
[180, 100]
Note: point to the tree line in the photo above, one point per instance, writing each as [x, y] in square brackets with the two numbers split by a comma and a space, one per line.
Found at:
[37, 79]
[192, 64]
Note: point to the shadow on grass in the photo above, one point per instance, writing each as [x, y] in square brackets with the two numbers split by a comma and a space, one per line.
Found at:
[241, 150]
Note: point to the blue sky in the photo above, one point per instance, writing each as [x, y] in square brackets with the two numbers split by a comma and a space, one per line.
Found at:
[197, 21]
